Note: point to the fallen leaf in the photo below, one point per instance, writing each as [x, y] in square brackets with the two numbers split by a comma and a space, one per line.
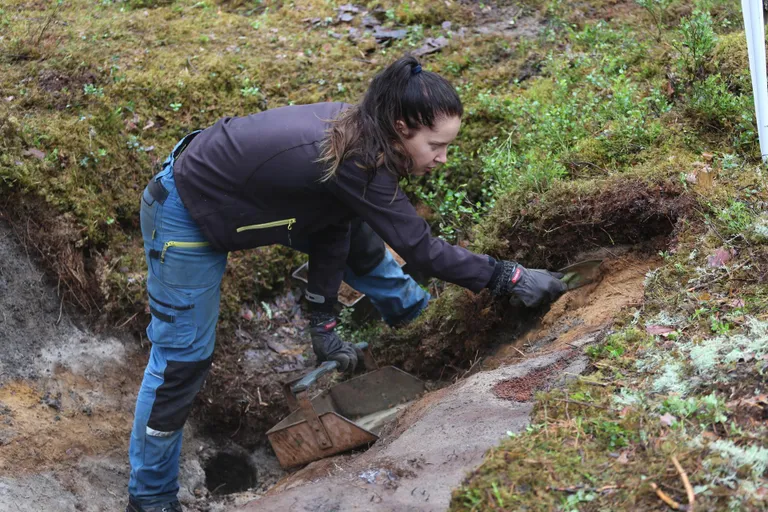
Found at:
[667, 420]
[35, 153]
[756, 401]
[431, 45]
[705, 178]
[720, 257]
[277, 346]
[623, 458]
[149, 125]
[659, 329]
[737, 303]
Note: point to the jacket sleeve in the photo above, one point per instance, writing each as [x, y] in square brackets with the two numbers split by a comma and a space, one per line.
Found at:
[328, 250]
[383, 205]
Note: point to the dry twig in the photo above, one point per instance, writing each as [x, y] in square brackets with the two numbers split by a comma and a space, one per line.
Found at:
[665, 498]
[128, 321]
[686, 483]
[569, 401]
[577, 488]
[520, 351]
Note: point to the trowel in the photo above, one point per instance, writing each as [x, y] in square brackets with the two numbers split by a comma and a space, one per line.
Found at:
[581, 273]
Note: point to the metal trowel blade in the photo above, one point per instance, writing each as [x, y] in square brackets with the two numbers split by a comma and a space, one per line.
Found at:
[581, 273]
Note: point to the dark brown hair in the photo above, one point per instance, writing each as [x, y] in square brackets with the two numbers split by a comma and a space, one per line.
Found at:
[368, 131]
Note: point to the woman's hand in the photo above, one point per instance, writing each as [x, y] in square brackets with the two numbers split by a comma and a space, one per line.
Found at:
[327, 344]
[532, 286]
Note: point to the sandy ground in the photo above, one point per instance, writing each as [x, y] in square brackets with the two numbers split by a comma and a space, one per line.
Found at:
[582, 312]
[416, 466]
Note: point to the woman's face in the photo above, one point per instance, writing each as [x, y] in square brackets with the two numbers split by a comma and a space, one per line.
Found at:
[428, 147]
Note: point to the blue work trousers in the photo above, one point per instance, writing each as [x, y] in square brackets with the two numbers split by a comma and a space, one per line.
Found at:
[183, 284]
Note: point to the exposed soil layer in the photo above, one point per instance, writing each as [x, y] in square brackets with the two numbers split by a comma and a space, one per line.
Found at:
[54, 242]
[65, 422]
[521, 389]
[584, 311]
[553, 231]
[66, 404]
[623, 215]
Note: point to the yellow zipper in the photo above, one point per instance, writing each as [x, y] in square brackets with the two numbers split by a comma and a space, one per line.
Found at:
[286, 222]
[183, 245]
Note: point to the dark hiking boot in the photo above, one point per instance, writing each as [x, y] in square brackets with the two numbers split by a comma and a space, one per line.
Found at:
[173, 506]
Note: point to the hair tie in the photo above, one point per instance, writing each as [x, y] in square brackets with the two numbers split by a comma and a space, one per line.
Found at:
[416, 69]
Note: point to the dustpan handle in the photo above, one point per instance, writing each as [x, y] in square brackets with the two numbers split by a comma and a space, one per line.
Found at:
[328, 366]
[306, 381]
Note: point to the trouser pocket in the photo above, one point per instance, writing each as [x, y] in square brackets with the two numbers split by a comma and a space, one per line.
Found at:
[172, 323]
[188, 264]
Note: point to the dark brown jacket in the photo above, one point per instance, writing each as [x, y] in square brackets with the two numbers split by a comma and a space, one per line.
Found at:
[255, 180]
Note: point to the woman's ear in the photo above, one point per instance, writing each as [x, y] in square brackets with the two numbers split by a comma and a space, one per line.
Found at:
[402, 129]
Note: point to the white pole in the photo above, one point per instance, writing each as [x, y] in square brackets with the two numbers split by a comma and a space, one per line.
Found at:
[755, 29]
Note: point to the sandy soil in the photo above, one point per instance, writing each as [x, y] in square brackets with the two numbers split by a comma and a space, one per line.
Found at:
[582, 312]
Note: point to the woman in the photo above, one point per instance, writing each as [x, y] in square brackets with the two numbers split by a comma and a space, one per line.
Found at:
[295, 176]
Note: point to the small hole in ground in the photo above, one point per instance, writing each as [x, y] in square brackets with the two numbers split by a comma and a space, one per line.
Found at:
[226, 473]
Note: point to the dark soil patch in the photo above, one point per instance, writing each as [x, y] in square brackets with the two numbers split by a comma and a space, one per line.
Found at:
[530, 68]
[523, 388]
[549, 231]
[227, 473]
[64, 88]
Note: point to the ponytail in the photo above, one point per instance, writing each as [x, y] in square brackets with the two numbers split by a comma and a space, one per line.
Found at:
[368, 132]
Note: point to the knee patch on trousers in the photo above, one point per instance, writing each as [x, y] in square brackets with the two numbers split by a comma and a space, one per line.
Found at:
[174, 398]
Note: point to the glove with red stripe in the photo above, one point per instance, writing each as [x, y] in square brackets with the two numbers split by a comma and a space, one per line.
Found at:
[532, 286]
[325, 342]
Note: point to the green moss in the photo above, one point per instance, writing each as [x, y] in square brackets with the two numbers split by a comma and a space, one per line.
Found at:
[731, 60]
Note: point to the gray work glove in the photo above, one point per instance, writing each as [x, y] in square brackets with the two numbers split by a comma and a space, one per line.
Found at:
[327, 344]
[532, 286]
